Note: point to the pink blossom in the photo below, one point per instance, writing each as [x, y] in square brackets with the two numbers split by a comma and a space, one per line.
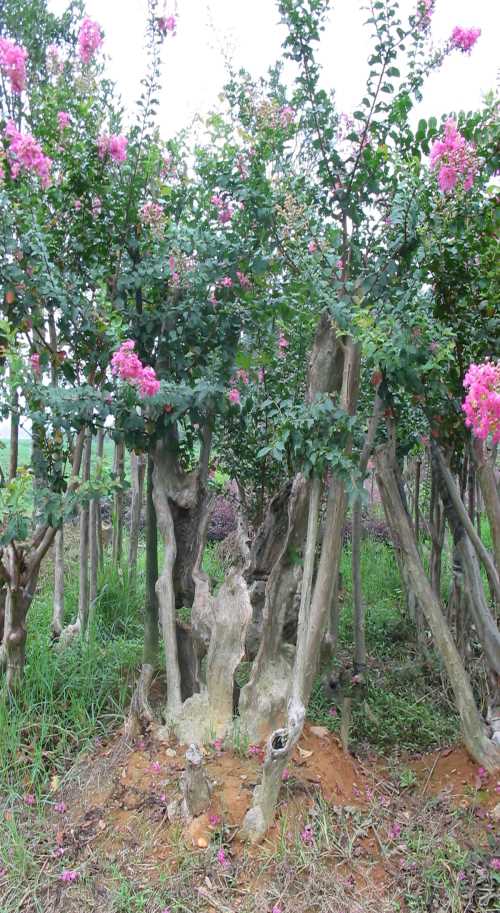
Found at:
[277, 908]
[394, 832]
[155, 767]
[234, 396]
[29, 798]
[149, 385]
[287, 116]
[115, 146]
[58, 852]
[482, 403]
[63, 120]
[152, 214]
[243, 280]
[455, 157]
[13, 64]
[167, 24]
[25, 153]
[214, 820]
[261, 375]
[222, 858]
[37, 371]
[243, 376]
[96, 206]
[60, 807]
[77, 205]
[90, 38]
[282, 345]
[218, 744]
[226, 282]
[312, 247]
[307, 835]
[129, 367]
[332, 711]
[175, 276]
[464, 39]
[69, 875]
[495, 864]
[285, 775]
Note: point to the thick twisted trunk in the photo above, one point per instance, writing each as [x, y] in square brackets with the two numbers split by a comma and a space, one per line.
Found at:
[313, 620]
[478, 744]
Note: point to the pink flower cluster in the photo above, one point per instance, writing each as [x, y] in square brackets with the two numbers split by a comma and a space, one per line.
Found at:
[90, 38]
[152, 214]
[129, 367]
[464, 39]
[455, 158]
[13, 64]
[482, 403]
[167, 24]
[287, 116]
[69, 876]
[63, 120]
[226, 207]
[25, 152]
[115, 146]
[53, 59]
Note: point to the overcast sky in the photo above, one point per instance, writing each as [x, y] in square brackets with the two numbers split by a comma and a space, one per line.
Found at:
[250, 31]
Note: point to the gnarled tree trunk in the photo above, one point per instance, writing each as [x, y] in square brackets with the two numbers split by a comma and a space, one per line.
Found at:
[137, 471]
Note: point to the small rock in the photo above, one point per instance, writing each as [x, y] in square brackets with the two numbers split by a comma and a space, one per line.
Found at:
[320, 731]
[162, 734]
[171, 753]
[173, 810]
[202, 843]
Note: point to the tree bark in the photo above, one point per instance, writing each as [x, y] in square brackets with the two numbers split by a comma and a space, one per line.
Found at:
[14, 436]
[480, 747]
[58, 603]
[137, 470]
[117, 541]
[141, 711]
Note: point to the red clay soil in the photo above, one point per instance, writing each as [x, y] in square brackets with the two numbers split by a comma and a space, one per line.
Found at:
[452, 772]
[132, 798]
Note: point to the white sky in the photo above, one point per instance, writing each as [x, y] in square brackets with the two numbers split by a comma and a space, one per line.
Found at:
[249, 30]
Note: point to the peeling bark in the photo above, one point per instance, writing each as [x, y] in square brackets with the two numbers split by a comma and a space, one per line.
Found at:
[58, 604]
[195, 786]
[117, 540]
[209, 715]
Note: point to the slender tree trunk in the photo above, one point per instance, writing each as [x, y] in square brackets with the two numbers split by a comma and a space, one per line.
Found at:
[119, 468]
[357, 589]
[84, 582]
[137, 470]
[485, 469]
[14, 436]
[480, 747]
[437, 530]
[418, 469]
[100, 540]
[58, 603]
[165, 585]
[464, 520]
[140, 708]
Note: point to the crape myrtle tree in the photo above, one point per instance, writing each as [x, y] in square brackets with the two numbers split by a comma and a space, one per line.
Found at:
[358, 271]
[71, 187]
